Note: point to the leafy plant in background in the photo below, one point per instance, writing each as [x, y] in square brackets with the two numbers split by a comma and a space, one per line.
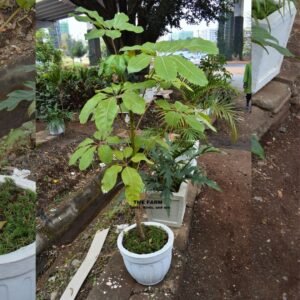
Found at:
[78, 50]
[125, 156]
[218, 95]
[46, 53]
[69, 87]
[169, 170]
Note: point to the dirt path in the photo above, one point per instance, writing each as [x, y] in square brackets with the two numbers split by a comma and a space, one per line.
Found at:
[243, 244]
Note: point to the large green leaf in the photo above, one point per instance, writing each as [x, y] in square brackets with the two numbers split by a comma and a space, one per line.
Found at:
[201, 45]
[147, 47]
[134, 185]
[92, 15]
[105, 115]
[87, 158]
[189, 71]
[105, 154]
[134, 102]
[170, 46]
[120, 21]
[77, 154]
[138, 63]
[141, 157]
[165, 67]
[90, 106]
[127, 152]
[114, 34]
[194, 123]
[139, 85]
[95, 33]
[109, 179]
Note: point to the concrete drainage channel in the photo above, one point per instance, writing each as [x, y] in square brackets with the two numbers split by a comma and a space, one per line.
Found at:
[72, 219]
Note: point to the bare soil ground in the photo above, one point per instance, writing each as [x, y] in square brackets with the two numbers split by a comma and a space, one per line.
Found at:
[17, 38]
[243, 244]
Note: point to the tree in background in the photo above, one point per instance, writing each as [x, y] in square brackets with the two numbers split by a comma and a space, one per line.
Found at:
[78, 49]
[155, 15]
[45, 50]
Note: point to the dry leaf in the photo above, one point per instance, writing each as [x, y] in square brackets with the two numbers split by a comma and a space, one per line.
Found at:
[2, 224]
[280, 195]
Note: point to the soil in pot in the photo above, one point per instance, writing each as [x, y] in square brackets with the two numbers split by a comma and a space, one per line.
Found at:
[155, 239]
[17, 217]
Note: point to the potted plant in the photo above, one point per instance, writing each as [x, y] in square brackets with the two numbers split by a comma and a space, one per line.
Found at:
[272, 25]
[167, 181]
[17, 235]
[55, 118]
[145, 247]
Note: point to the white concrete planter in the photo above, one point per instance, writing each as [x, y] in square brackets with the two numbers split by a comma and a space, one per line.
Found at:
[148, 269]
[17, 269]
[155, 207]
[157, 212]
[265, 66]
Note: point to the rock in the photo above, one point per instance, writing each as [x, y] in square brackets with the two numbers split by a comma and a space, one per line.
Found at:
[76, 263]
[261, 163]
[54, 295]
[259, 199]
[284, 296]
[273, 96]
[282, 129]
[285, 278]
[52, 279]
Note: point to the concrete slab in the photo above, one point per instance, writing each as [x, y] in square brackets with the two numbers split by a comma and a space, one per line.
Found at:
[273, 96]
[43, 137]
[116, 283]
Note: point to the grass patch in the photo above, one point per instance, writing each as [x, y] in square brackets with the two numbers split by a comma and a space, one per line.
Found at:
[17, 214]
[155, 239]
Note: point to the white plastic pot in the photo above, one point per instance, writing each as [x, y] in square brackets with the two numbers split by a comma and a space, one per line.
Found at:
[265, 66]
[18, 268]
[56, 129]
[148, 269]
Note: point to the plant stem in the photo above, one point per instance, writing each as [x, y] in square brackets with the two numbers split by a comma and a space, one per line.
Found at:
[138, 219]
[138, 211]
[10, 18]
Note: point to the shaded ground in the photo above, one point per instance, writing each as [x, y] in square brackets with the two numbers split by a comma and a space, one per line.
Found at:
[245, 246]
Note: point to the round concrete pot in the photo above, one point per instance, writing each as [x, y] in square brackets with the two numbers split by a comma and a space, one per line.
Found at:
[148, 269]
[17, 268]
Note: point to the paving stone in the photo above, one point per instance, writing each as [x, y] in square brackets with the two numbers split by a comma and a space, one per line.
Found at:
[43, 136]
[273, 96]
[115, 275]
[290, 71]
